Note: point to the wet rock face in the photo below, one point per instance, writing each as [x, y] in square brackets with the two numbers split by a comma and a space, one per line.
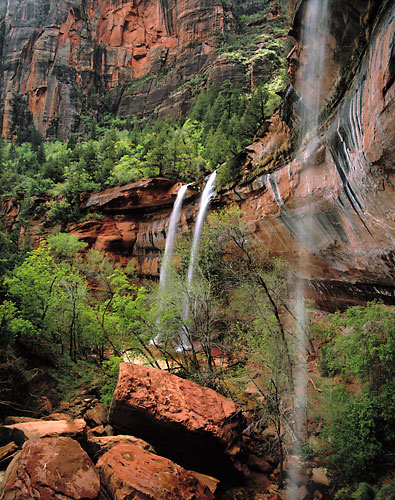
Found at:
[40, 471]
[329, 210]
[57, 53]
[349, 30]
[191, 424]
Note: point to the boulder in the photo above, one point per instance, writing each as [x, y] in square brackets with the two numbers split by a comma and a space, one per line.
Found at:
[98, 445]
[129, 471]
[258, 464]
[10, 420]
[50, 428]
[96, 431]
[96, 416]
[319, 476]
[211, 482]
[51, 469]
[184, 421]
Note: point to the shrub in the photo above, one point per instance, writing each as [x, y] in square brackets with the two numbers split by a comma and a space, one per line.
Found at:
[387, 492]
[111, 369]
[363, 492]
[360, 429]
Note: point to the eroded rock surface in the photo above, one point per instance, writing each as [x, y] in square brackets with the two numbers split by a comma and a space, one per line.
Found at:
[51, 469]
[129, 471]
[57, 54]
[50, 428]
[98, 445]
[191, 424]
[330, 210]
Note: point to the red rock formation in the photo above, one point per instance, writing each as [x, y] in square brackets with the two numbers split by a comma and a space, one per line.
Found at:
[184, 421]
[129, 471]
[57, 55]
[99, 445]
[329, 211]
[337, 190]
[136, 217]
[98, 415]
[40, 471]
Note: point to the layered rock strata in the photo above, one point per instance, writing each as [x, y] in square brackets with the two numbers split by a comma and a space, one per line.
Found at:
[330, 210]
[58, 57]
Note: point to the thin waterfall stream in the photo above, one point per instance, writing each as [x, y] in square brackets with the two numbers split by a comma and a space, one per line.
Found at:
[184, 342]
[208, 193]
[167, 260]
[170, 240]
[314, 37]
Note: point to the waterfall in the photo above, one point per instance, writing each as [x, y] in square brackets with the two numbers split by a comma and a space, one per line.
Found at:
[169, 249]
[208, 193]
[314, 34]
[311, 87]
[170, 240]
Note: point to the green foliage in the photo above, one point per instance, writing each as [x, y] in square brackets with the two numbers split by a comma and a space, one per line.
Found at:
[387, 491]
[261, 43]
[111, 369]
[220, 123]
[66, 246]
[9, 252]
[359, 428]
[365, 347]
[343, 494]
[363, 492]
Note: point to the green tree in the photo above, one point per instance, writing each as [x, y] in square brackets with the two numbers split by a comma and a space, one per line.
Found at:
[359, 428]
[50, 297]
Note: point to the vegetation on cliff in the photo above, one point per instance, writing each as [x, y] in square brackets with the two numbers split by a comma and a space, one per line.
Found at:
[221, 122]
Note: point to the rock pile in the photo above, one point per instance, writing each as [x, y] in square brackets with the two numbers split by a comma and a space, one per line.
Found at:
[61, 457]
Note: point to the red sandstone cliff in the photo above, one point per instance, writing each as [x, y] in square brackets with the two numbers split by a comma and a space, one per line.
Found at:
[140, 54]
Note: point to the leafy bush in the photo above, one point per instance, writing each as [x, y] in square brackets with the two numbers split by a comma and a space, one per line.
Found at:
[111, 369]
[360, 428]
[363, 492]
[386, 492]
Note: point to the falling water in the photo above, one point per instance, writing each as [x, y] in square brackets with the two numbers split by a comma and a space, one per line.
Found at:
[311, 87]
[170, 240]
[314, 35]
[169, 247]
[208, 193]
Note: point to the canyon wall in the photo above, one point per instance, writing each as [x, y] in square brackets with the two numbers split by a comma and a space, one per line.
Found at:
[61, 59]
[329, 210]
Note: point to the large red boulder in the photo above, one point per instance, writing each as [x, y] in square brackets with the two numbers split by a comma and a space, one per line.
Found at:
[51, 469]
[129, 471]
[191, 424]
